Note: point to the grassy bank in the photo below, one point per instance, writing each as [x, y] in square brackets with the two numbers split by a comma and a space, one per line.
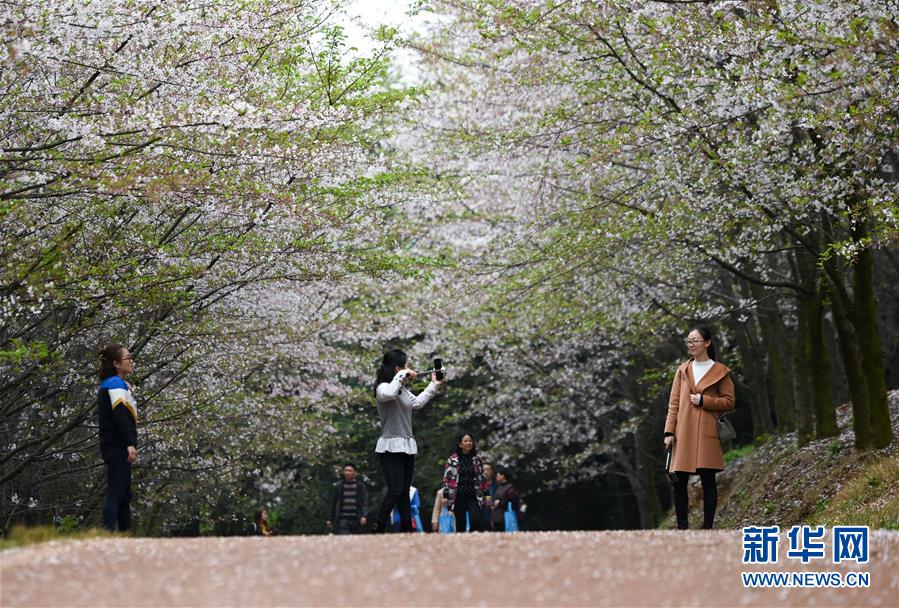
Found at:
[21, 536]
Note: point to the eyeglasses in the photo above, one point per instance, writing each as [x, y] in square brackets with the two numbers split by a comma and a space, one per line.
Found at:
[693, 342]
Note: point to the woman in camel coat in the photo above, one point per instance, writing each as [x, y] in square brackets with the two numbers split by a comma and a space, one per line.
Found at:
[701, 390]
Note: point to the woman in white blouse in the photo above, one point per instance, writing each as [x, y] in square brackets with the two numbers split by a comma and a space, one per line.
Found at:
[396, 447]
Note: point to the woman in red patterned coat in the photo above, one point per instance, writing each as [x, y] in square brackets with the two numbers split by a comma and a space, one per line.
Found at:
[464, 484]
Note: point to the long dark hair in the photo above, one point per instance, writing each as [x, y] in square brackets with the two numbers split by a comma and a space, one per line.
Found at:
[108, 357]
[392, 360]
[474, 446]
[706, 334]
[260, 523]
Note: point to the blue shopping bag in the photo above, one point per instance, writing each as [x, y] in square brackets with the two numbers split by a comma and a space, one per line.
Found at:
[511, 519]
[447, 522]
[417, 520]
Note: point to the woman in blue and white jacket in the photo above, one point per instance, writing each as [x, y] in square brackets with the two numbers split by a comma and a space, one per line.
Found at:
[396, 447]
[117, 413]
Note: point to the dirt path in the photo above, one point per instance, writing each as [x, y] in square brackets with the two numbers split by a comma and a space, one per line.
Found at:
[628, 568]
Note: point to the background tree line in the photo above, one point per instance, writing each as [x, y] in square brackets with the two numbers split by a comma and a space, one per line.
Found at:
[258, 213]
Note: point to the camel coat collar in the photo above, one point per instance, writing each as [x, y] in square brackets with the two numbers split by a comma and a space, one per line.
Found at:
[714, 375]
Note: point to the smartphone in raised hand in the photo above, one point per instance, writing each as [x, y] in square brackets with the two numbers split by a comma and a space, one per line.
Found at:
[438, 365]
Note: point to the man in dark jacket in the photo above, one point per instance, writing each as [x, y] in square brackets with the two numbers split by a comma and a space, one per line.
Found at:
[349, 503]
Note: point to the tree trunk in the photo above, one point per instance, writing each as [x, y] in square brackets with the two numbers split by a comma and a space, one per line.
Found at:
[802, 374]
[642, 469]
[803, 386]
[837, 373]
[870, 348]
[852, 363]
[624, 507]
[648, 507]
[648, 443]
[754, 367]
[820, 368]
[778, 372]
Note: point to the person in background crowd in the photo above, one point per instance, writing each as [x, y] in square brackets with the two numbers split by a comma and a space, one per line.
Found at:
[117, 414]
[396, 446]
[415, 505]
[349, 503]
[439, 506]
[260, 524]
[487, 509]
[701, 390]
[505, 494]
[520, 515]
[464, 484]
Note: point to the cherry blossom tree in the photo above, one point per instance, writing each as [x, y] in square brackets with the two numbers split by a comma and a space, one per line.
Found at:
[258, 213]
[628, 169]
[197, 181]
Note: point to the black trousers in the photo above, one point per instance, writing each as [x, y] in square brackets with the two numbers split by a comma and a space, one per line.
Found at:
[467, 504]
[117, 510]
[709, 498]
[486, 516]
[398, 468]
